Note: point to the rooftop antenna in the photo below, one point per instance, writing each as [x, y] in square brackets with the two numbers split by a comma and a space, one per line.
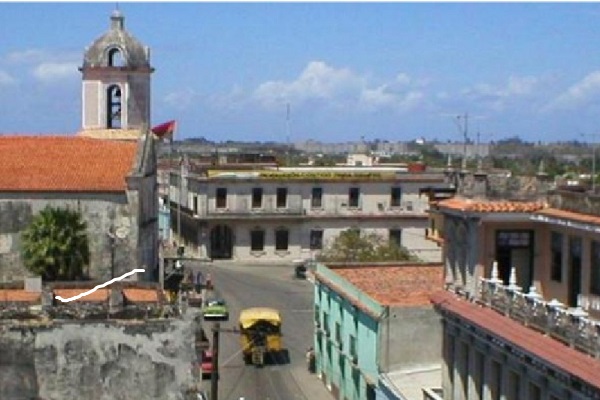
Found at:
[287, 129]
[464, 130]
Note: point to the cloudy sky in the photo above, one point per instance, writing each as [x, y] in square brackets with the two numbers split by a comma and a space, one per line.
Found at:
[392, 71]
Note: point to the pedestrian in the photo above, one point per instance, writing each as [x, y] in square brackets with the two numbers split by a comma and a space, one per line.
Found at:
[310, 359]
[199, 281]
[208, 281]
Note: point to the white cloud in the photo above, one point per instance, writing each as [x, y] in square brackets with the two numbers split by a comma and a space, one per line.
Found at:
[181, 99]
[585, 91]
[340, 86]
[6, 79]
[49, 72]
[39, 56]
[497, 97]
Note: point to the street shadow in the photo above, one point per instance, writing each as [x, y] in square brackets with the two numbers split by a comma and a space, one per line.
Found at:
[281, 357]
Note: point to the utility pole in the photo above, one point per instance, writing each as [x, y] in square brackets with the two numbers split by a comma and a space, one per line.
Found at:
[179, 201]
[214, 377]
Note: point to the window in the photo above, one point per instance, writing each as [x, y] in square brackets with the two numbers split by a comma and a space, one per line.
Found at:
[281, 197]
[281, 239]
[317, 314]
[113, 97]
[353, 349]
[396, 197]
[556, 246]
[595, 269]
[115, 58]
[326, 322]
[257, 194]
[257, 240]
[338, 333]
[316, 239]
[353, 197]
[221, 197]
[535, 393]
[195, 204]
[396, 237]
[316, 198]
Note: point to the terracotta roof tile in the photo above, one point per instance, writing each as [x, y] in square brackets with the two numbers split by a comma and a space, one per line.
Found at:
[19, 296]
[97, 296]
[570, 215]
[405, 285]
[136, 295]
[528, 340]
[64, 163]
[484, 206]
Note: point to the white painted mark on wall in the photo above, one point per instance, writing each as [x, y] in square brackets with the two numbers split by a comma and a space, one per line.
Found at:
[133, 271]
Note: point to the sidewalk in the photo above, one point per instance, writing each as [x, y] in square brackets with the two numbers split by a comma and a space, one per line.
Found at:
[311, 386]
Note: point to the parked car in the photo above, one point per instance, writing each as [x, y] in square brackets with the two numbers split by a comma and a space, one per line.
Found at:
[300, 271]
[206, 364]
[216, 310]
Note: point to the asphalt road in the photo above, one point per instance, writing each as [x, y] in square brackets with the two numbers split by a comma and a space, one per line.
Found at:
[245, 286]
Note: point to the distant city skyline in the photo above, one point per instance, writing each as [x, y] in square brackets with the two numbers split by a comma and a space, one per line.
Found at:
[347, 71]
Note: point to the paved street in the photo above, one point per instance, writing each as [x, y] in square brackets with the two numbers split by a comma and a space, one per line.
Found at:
[272, 286]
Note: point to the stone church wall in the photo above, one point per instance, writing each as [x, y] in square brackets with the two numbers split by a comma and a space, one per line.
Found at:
[101, 212]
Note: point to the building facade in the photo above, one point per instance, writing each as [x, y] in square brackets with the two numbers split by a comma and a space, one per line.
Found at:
[278, 215]
[521, 314]
[375, 329]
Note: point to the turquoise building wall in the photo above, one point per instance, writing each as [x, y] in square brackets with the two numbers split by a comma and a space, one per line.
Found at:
[346, 338]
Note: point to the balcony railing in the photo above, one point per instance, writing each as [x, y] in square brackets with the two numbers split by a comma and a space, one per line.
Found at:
[244, 207]
[572, 326]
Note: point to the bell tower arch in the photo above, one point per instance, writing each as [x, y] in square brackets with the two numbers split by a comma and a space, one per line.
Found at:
[116, 80]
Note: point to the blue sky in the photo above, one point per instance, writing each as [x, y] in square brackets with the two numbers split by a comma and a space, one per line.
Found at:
[393, 71]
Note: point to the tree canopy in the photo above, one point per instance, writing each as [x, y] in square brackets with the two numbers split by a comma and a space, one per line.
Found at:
[352, 246]
[55, 244]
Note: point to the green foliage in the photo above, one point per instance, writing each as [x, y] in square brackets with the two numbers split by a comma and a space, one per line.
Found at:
[351, 246]
[55, 244]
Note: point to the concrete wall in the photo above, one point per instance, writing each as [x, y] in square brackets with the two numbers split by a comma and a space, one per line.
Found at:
[410, 337]
[97, 361]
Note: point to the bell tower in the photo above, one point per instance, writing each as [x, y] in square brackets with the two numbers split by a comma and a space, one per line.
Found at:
[116, 81]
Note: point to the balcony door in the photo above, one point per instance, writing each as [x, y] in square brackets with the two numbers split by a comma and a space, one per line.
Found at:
[221, 243]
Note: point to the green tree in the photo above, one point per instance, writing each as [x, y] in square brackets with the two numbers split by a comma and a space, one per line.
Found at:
[55, 244]
[351, 246]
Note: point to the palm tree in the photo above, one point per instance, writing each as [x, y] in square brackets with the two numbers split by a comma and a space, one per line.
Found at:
[55, 244]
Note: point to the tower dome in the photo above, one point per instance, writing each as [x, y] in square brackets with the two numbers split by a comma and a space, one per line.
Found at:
[115, 82]
[117, 48]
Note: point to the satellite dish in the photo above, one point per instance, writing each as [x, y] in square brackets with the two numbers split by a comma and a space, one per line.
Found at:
[122, 232]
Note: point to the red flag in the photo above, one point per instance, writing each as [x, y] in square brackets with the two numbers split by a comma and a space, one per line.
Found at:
[165, 130]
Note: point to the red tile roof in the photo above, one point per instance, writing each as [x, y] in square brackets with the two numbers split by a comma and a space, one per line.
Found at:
[135, 295]
[484, 206]
[403, 286]
[19, 296]
[64, 164]
[552, 351]
[570, 215]
[99, 295]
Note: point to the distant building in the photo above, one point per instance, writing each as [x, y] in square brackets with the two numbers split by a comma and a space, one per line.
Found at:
[282, 214]
[376, 333]
[107, 171]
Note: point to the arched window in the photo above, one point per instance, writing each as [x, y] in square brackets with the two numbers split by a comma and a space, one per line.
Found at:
[115, 58]
[114, 105]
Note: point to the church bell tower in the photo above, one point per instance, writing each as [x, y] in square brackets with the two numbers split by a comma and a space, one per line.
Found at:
[115, 83]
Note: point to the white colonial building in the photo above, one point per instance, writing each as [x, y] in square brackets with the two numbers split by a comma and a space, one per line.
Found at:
[285, 214]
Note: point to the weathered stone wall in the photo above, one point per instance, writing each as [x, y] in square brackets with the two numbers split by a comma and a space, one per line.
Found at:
[97, 360]
[100, 212]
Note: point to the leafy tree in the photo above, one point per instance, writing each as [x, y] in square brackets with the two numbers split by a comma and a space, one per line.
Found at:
[55, 244]
[351, 246]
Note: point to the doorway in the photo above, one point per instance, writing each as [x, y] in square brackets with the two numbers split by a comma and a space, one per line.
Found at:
[515, 248]
[221, 243]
